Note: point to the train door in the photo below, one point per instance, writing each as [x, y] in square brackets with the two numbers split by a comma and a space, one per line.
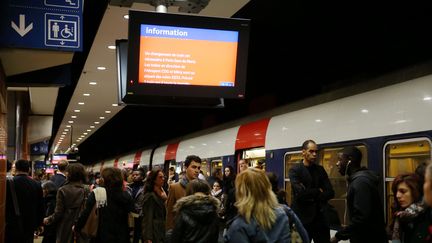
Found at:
[290, 159]
[403, 156]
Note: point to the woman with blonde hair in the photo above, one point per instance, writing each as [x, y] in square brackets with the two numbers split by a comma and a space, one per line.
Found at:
[260, 217]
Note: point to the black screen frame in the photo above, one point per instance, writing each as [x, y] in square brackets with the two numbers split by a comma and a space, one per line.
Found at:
[133, 88]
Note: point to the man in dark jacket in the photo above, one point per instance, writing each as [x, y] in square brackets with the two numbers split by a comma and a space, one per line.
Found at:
[363, 201]
[136, 190]
[29, 202]
[311, 189]
[60, 177]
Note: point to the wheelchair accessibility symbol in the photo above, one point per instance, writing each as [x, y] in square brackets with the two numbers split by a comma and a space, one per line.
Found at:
[61, 30]
[66, 32]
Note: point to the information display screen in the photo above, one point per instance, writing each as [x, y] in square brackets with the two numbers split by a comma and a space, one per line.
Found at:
[186, 55]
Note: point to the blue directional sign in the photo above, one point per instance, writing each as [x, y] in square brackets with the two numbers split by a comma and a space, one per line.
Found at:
[47, 24]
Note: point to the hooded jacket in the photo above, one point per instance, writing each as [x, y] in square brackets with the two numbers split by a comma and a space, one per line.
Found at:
[365, 209]
[197, 220]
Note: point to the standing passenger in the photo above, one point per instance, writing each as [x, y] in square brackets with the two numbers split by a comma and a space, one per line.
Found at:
[60, 177]
[407, 206]
[178, 190]
[243, 165]
[69, 201]
[173, 176]
[228, 210]
[311, 189]
[29, 202]
[196, 215]
[363, 201]
[261, 218]
[136, 190]
[114, 206]
[422, 228]
[153, 209]
[49, 193]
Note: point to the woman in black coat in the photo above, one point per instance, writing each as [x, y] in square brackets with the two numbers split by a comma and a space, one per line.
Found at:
[113, 213]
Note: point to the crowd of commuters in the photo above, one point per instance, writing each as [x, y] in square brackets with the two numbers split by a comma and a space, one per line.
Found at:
[241, 207]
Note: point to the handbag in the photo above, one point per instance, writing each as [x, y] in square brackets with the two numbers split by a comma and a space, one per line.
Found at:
[91, 226]
[297, 231]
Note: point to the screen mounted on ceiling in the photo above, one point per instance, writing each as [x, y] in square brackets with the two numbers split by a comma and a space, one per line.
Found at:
[186, 55]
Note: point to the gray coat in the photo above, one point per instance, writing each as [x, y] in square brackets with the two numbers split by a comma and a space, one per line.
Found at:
[70, 199]
[154, 215]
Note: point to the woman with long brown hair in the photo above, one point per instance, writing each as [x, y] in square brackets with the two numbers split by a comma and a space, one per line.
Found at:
[154, 211]
[407, 206]
[114, 205]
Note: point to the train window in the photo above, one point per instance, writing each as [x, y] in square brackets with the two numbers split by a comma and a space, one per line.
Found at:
[205, 167]
[290, 159]
[329, 158]
[216, 164]
[403, 156]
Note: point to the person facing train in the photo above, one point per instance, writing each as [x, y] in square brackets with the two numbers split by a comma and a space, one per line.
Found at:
[178, 190]
[260, 217]
[114, 205]
[311, 190]
[365, 209]
[29, 202]
[70, 198]
[196, 215]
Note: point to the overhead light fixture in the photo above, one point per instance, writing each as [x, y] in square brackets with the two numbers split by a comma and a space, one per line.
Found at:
[96, 122]
[93, 83]
[68, 126]
[66, 130]
[364, 111]
[70, 122]
[88, 130]
[73, 116]
[92, 126]
[111, 47]
[101, 117]
[126, 16]
[77, 111]
[114, 104]
[107, 112]
[85, 133]
[427, 98]
[81, 103]
[318, 120]
[101, 68]
[86, 94]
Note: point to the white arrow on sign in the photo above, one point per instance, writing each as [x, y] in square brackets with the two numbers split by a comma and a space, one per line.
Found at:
[22, 30]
